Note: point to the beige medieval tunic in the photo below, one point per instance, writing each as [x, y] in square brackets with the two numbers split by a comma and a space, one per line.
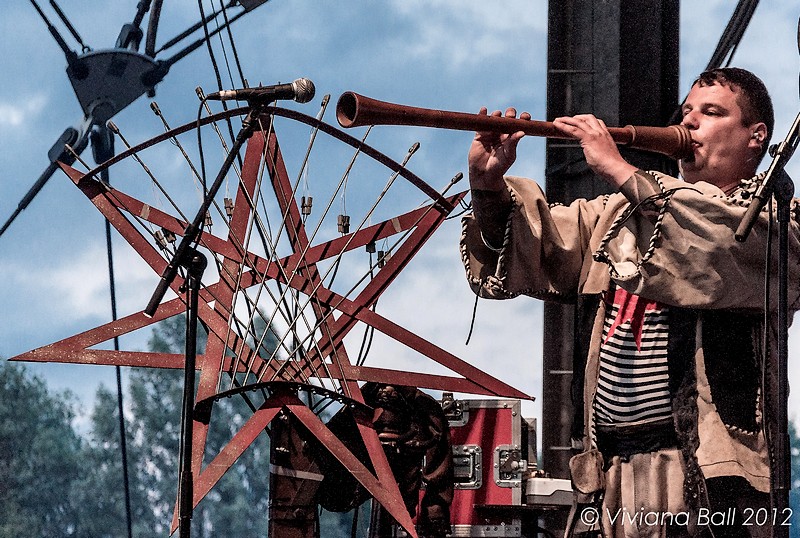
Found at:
[667, 241]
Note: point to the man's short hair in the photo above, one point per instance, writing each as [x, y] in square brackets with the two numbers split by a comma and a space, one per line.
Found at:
[753, 97]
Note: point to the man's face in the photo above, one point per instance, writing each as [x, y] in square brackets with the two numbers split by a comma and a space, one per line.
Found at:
[725, 149]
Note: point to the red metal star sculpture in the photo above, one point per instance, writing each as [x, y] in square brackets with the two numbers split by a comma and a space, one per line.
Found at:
[323, 359]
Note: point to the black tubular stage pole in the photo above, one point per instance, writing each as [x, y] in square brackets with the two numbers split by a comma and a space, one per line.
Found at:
[194, 274]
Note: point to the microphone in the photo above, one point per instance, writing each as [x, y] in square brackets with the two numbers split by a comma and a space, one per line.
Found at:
[301, 90]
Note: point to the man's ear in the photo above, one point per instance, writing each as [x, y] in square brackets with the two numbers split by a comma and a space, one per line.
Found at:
[759, 136]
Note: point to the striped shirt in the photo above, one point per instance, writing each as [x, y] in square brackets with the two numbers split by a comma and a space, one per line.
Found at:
[633, 386]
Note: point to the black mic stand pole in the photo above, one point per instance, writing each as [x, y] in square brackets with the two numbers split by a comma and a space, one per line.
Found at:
[778, 182]
[194, 274]
[187, 256]
[781, 468]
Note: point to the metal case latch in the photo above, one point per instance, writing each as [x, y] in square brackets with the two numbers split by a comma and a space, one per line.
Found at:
[467, 467]
[508, 466]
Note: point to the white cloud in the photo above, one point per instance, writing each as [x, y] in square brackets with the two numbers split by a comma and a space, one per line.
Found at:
[15, 114]
[457, 34]
[76, 287]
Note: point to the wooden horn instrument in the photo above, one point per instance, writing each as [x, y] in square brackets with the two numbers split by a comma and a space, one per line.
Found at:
[354, 110]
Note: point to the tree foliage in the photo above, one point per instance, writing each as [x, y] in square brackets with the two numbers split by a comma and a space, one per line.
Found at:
[55, 482]
[794, 492]
[40, 457]
[100, 491]
[237, 506]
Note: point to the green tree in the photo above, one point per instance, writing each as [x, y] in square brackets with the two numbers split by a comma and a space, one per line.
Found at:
[54, 483]
[100, 491]
[237, 505]
[40, 457]
[154, 399]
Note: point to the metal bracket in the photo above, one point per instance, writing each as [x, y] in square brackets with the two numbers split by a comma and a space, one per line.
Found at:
[467, 466]
[508, 466]
[456, 411]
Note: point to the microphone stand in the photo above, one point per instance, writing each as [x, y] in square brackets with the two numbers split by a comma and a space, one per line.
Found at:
[778, 182]
[197, 263]
[187, 256]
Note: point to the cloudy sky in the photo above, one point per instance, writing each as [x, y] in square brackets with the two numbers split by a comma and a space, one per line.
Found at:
[445, 54]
